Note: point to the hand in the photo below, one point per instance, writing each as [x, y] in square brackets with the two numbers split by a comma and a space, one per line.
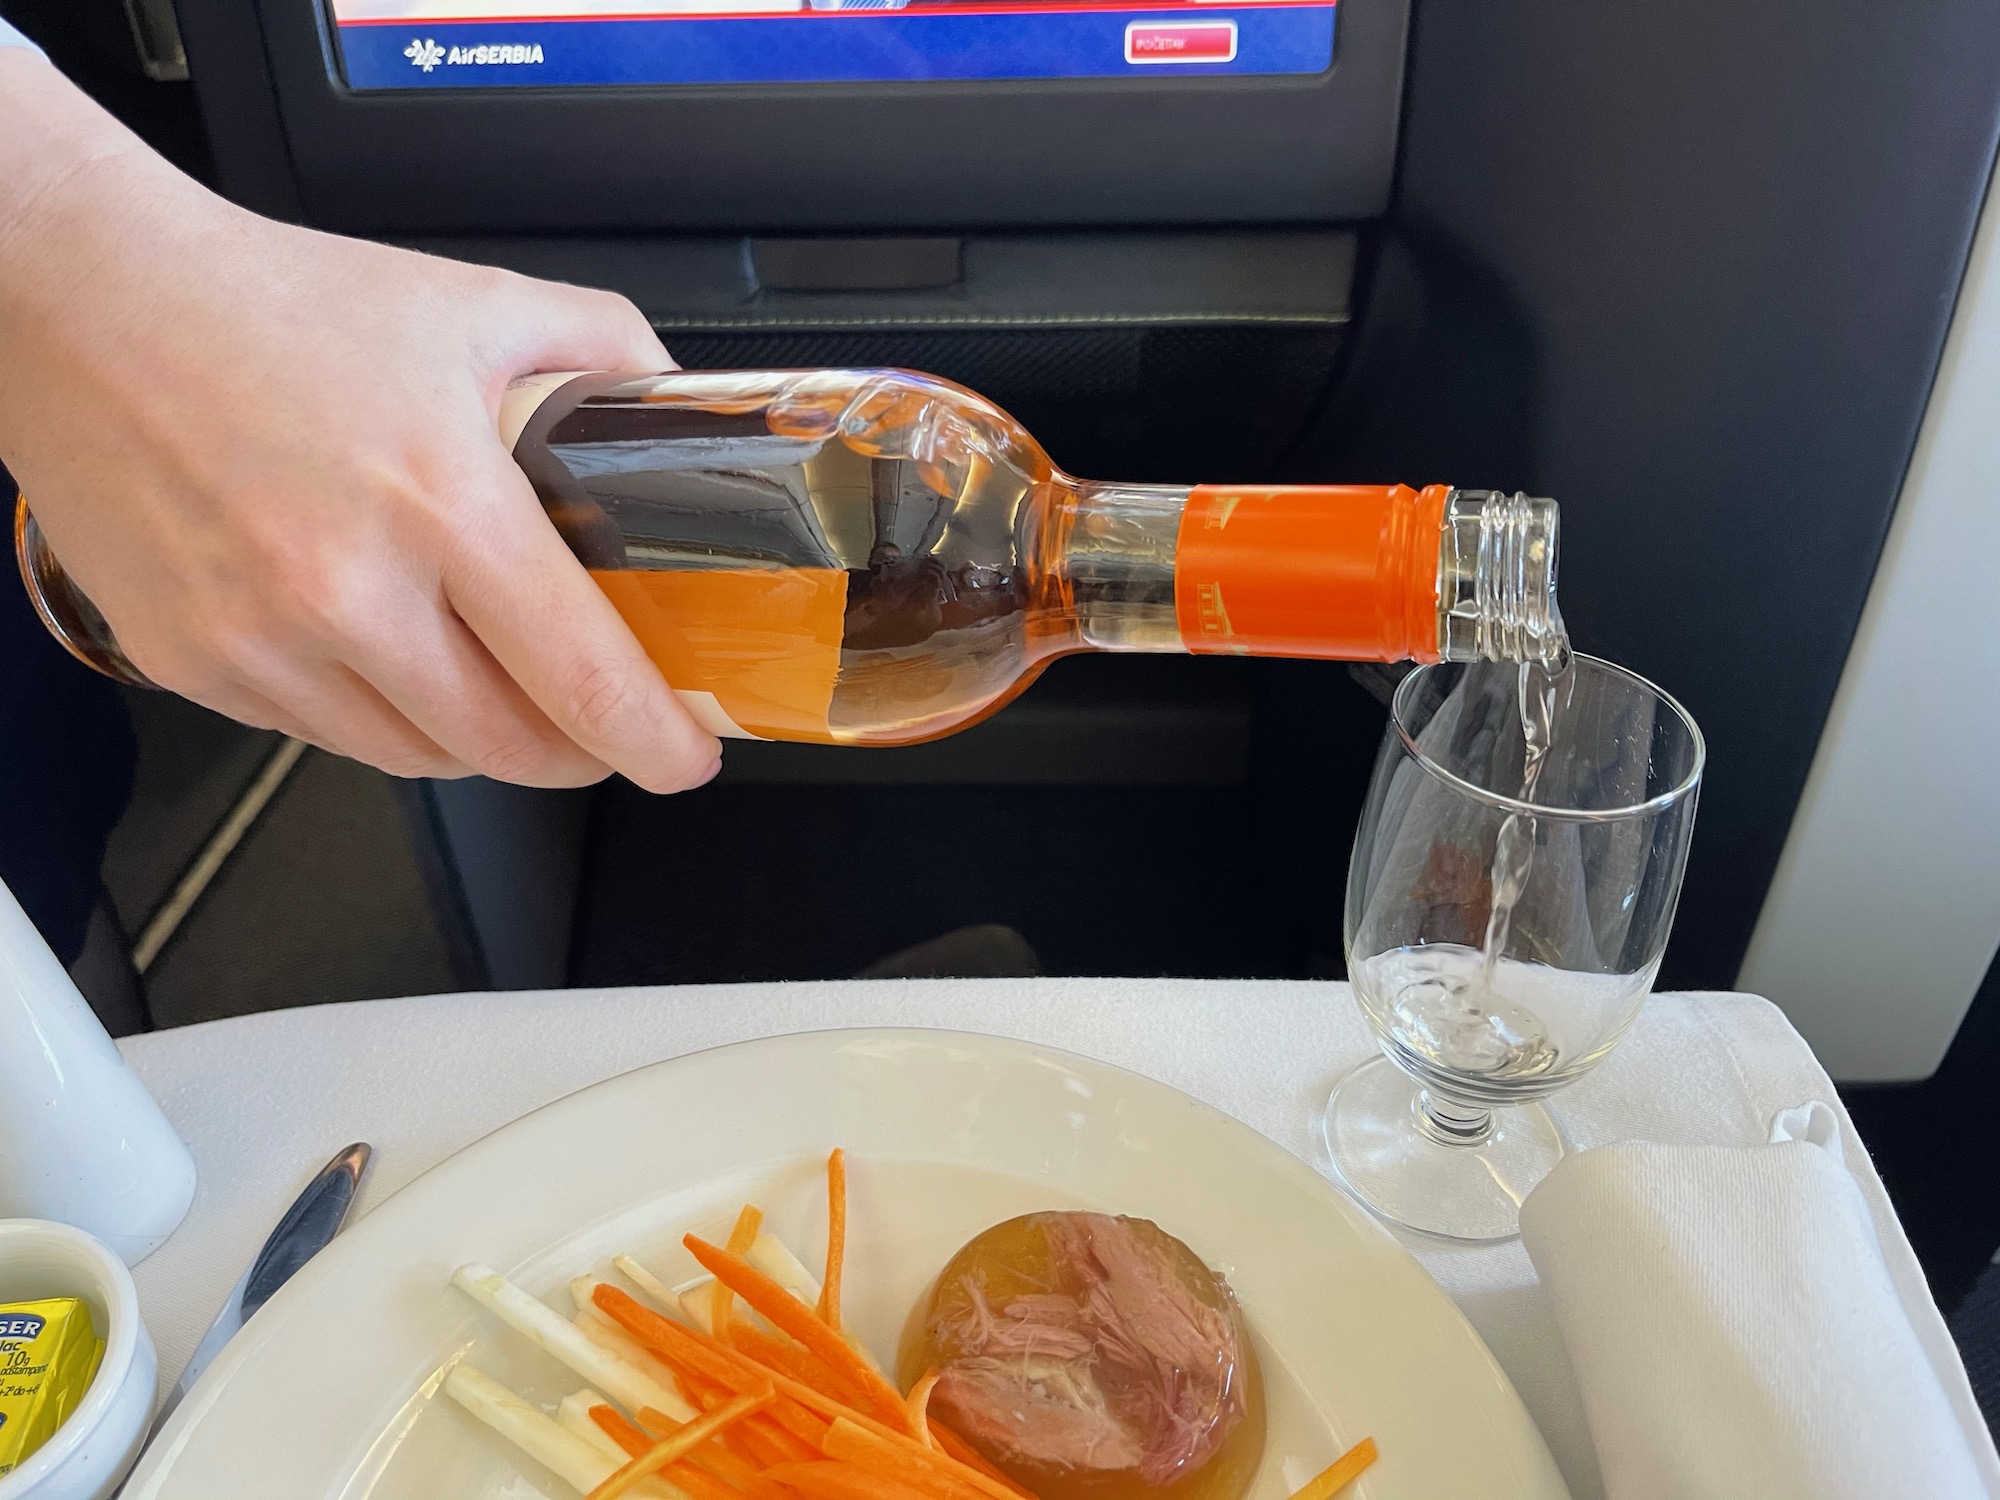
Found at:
[270, 458]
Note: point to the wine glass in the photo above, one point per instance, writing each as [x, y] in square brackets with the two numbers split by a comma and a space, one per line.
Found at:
[1506, 913]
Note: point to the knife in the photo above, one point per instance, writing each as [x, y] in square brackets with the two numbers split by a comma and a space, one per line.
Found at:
[313, 1220]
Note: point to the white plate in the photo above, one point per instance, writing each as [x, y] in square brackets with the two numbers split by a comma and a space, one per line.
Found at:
[331, 1389]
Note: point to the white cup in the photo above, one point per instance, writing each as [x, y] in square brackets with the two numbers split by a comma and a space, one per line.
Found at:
[88, 1457]
[81, 1141]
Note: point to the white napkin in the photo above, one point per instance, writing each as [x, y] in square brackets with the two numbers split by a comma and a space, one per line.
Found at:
[1735, 1331]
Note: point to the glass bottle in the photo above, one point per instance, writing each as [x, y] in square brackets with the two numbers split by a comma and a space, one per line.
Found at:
[879, 557]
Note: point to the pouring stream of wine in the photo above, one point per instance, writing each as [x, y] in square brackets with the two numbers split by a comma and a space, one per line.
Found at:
[1544, 692]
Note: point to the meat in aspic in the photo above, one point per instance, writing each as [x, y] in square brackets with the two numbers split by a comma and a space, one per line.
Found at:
[1084, 1345]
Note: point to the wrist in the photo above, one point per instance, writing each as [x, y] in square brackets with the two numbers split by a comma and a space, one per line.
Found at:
[59, 153]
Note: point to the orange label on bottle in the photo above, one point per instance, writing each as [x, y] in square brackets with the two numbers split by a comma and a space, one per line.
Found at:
[764, 643]
[1343, 572]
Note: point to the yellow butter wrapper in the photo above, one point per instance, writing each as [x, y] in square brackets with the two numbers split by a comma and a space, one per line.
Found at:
[48, 1357]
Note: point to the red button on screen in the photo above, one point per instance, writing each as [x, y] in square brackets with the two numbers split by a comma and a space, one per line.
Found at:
[1173, 42]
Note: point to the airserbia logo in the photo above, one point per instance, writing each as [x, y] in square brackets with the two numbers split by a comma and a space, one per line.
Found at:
[425, 54]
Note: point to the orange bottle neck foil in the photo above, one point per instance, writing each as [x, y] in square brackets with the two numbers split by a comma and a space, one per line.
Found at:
[1340, 572]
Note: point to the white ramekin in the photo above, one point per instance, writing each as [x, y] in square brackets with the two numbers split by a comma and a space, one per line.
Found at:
[89, 1455]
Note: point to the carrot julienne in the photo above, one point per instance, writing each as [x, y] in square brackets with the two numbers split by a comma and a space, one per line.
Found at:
[705, 1395]
[766, 1447]
[919, 1468]
[971, 1468]
[1339, 1474]
[799, 1363]
[836, 1238]
[954, 1446]
[788, 1315]
[700, 1392]
[662, 1453]
[741, 1238]
[707, 1369]
[749, 1440]
[918, 1403]
[717, 1456]
[831, 1481]
[699, 1359]
[667, 1339]
[780, 1440]
[792, 1440]
[699, 1483]
[620, 1431]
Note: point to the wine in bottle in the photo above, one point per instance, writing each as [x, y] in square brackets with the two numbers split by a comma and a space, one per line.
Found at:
[878, 557]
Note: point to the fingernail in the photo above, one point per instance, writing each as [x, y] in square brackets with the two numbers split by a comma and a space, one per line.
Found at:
[714, 770]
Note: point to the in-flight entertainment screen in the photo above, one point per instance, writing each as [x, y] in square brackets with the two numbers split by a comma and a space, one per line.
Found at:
[412, 44]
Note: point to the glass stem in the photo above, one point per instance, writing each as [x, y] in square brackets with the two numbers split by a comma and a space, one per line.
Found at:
[1448, 1123]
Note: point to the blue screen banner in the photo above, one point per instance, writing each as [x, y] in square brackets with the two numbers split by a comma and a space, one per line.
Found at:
[432, 44]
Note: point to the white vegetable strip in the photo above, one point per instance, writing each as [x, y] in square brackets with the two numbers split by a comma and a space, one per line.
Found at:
[693, 1306]
[697, 1305]
[662, 1296]
[629, 1383]
[774, 1258]
[615, 1341]
[574, 1413]
[549, 1443]
[609, 1337]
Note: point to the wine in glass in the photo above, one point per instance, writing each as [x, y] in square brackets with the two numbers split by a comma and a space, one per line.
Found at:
[1512, 888]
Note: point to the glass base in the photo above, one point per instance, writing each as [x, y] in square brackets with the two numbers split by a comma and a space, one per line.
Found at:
[1458, 1178]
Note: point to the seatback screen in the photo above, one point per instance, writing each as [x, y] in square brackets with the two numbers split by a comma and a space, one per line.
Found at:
[431, 44]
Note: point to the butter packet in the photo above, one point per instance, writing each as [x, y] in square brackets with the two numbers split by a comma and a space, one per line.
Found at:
[48, 1357]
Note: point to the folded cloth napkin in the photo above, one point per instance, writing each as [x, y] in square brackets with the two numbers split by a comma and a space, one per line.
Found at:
[1734, 1329]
